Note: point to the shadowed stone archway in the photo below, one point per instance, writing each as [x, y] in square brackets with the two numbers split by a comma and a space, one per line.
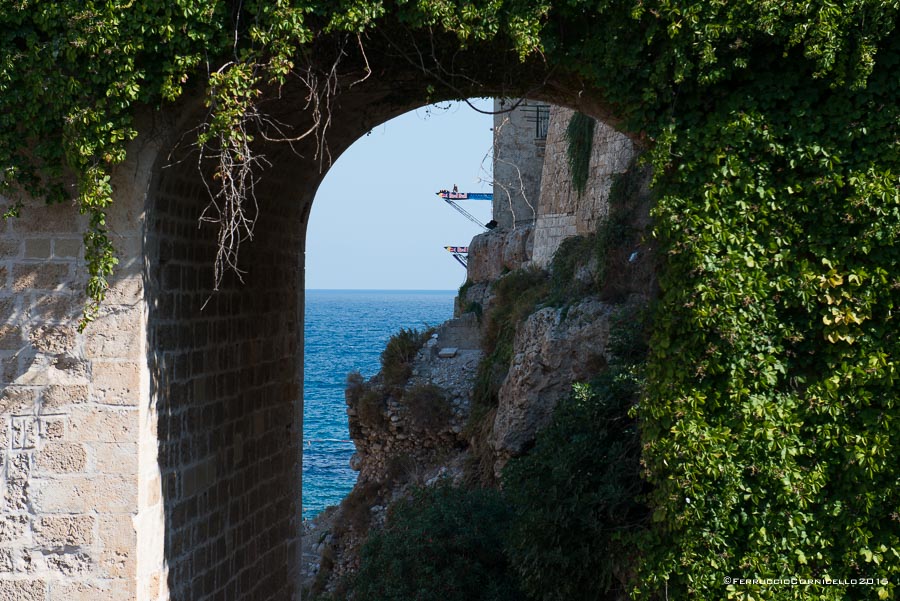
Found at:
[162, 447]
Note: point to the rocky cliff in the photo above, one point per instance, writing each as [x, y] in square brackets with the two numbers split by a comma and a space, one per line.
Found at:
[477, 391]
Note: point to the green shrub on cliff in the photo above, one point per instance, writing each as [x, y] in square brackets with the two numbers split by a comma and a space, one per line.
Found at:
[428, 406]
[398, 355]
[576, 496]
[517, 295]
[443, 544]
[369, 401]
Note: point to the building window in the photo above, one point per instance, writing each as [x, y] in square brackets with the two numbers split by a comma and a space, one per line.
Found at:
[539, 114]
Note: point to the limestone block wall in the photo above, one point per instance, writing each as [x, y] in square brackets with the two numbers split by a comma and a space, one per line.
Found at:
[562, 212]
[71, 412]
[226, 387]
[518, 157]
[155, 456]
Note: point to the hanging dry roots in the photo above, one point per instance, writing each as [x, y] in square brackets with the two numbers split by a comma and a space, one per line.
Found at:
[233, 204]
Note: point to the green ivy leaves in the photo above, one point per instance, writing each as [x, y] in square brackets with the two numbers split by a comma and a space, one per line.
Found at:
[769, 428]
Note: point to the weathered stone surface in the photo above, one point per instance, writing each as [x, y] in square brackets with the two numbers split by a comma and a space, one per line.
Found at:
[563, 212]
[18, 466]
[13, 527]
[60, 458]
[53, 427]
[81, 494]
[42, 218]
[17, 400]
[485, 262]
[54, 339]
[56, 396]
[7, 303]
[9, 247]
[127, 291]
[463, 332]
[475, 295]
[518, 156]
[114, 458]
[24, 432]
[118, 563]
[114, 335]
[117, 536]
[115, 382]
[15, 497]
[68, 564]
[40, 276]
[93, 590]
[47, 370]
[22, 590]
[96, 424]
[37, 248]
[67, 248]
[551, 352]
[355, 462]
[74, 531]
[10, 338]
[6, 560]
[493, 253]
[45, 307]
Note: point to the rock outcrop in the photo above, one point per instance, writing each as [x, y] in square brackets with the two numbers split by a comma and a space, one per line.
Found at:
[435, 424]
[493, 253]
[553, 348]
[408, 434]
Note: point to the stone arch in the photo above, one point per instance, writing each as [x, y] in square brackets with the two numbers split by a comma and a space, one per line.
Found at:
[191, 420]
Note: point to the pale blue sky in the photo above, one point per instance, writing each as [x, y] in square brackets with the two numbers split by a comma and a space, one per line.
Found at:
[376, 222]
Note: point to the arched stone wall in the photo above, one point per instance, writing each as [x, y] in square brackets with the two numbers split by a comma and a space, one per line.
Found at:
[158, 455]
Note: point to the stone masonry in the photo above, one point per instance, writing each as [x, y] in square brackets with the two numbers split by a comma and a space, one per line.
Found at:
[518, 155]
[157, 455]
[562, 212]
[73, 426]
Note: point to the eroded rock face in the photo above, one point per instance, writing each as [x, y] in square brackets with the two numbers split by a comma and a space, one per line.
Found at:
[553, 348]
[413, 434]
[494, 252]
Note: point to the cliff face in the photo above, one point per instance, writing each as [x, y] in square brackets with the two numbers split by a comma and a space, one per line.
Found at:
[480, 388]
[416, 424]
[552, 349]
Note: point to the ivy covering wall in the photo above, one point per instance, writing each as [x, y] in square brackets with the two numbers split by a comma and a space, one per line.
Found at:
[770, 425]
[579, 139]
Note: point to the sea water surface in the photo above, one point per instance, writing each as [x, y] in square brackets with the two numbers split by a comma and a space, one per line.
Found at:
[346, 330]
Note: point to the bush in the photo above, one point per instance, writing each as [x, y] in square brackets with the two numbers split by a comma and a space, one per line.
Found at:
[399, 469]
[398, 355]
[443, 544]
[368, 400]
[575, 494]
[356, 508]
[629, 330]
[428, 408]
[518, 294]
[478, 469]
[573, 254]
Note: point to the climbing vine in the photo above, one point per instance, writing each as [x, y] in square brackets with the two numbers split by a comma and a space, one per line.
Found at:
[579, 141]
[770, 425]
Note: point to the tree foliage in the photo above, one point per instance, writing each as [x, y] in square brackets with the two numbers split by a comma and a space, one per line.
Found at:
[576, 496]
[443, 544]
[770, 425]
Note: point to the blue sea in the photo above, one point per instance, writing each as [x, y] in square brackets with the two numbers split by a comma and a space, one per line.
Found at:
[346, 330]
